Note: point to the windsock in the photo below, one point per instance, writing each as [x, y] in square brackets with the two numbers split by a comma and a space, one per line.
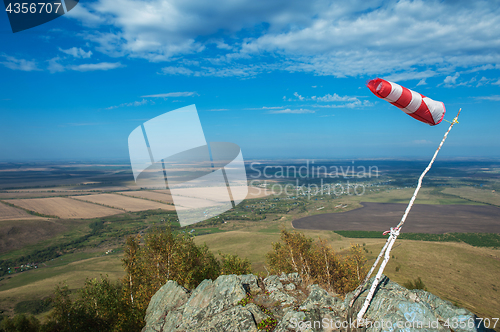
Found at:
[412, 103]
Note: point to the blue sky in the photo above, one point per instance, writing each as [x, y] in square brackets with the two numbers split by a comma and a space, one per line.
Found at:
[280, 78]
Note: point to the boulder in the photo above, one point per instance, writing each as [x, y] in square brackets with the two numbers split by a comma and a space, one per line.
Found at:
[240, 303]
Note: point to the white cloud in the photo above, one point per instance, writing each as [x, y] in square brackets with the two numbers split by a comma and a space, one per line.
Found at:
[410, 75]
[335, 101]
[176, 71]
[266, 108]
[77, 52]
[54, 65]
[171, 94]
[401, 39]
[135, 104]
[18, 64]
[451, 80]
[95, 66]
[491, 98]
[226, 71]
[482, 81]
[354, 104]
[497, 82]
[291, 111]
[296, 94]
[422, 82]
[82, 14]
[334, 97]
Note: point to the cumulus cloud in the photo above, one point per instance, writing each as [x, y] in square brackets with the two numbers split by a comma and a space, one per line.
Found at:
[334, 97]
[331, 101]
[296, 94]
[408, 39]
[18, 64]
[451, 80]
[77, 52]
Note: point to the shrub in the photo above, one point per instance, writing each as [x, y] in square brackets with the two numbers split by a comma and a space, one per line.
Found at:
[416, 284]
[20, 322]
[102, 305]
[317, 262]
[232, 264]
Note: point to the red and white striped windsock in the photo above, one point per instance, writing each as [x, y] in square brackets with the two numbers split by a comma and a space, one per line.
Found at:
[412, 103]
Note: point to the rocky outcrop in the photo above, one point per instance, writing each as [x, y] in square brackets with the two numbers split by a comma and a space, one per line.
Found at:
[284, 303]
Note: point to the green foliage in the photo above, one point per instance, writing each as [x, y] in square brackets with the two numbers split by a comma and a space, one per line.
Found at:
[34, 307]
[168, 256]
[104, 306]
[96, 226]
[416, 284]
[99, 306]
[232, 264]
[316, 262]
[267, 324]
[247, 299]
[20, 323]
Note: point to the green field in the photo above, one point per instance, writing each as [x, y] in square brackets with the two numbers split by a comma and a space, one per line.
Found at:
[462, 268]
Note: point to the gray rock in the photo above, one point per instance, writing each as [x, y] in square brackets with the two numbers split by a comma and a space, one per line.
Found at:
[169, 297]
[257, 313]
[282, 297]
[273, 283]
[290, 321]
[237, 319]
[250, 283]
[417, 310]
[213, 297]
[319, 298]
[215, 306]
[295, 278]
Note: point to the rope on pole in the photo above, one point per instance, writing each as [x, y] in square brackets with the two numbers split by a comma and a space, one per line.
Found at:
[394, 232]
